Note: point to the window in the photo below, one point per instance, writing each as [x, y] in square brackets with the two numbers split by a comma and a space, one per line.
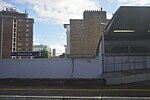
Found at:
[14, 44]
[14, 30]
[14, 34]
[14, 20]
[13, 57]
[20, 20]
[27, 30]
[20, 29]
[14, 39]
[27, 35]
[26, 49]
[19, 39]
[20, 25]
[19, 34]
[19, 49]
[27, 44]
[27, 20]
[124, 31]
[14, 25]
[27, 39]
[19, 44]
[14, 49]
[27, 25]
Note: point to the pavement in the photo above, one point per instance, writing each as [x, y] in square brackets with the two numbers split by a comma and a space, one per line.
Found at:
[139, 89]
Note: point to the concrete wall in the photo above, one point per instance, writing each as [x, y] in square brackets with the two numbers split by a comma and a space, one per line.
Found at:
[50, 68]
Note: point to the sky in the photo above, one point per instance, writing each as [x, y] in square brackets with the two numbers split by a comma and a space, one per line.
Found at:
[50, 15]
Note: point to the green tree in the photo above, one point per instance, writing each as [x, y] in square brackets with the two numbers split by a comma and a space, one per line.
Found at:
[44, 54]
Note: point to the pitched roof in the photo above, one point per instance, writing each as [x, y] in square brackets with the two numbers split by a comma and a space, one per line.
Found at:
[135, 18]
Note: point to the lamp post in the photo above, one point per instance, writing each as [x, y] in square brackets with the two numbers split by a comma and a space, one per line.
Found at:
[103, 25]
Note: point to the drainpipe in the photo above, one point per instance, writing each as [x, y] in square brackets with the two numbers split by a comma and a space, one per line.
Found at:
[103, 53]
[1, 38]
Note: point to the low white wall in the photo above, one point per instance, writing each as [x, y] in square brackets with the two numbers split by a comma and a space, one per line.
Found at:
[50, 68]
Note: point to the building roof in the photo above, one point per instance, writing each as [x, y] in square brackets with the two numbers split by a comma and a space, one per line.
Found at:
[129, 19]
[129, 23]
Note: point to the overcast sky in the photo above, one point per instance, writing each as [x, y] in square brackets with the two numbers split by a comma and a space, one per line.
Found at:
[50, 15]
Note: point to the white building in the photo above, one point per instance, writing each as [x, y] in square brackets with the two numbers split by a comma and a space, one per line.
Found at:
[67, 47]
[39, 47]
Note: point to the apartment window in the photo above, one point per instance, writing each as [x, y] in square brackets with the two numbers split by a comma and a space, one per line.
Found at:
[14, 25]
[19, 34]
[14, 49]
[27, 25]
[19, 44]
[26, 49]
[27, 39]
[19, 39]
[14, 30]
[19, 49]
[14, 34]
[20, 20]
[27, 35]
[123, 31]
[27, 44]
[15, 20]
[13, 57]
[14, 39]
[14, 44]
[27, 30]
[20, 29]
[20, 25]
[27, 20]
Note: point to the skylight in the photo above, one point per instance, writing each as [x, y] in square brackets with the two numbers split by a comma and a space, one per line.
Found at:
[124, 31]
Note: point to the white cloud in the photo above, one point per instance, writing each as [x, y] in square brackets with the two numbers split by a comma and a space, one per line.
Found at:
[4, 4]
[133, 2]
[60, 11]
[109, 16]
[62, 36]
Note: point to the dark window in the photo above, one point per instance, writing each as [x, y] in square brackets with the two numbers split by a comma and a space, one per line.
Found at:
[20, 29]
[14, 25]
[119, 50]
[14, 20]
[139, 49]
[19, 34]
[14, 30]
[14, 34]
[14, 49]
[14, 40]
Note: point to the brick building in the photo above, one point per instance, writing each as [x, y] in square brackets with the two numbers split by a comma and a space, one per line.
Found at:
[83, 34]
[16, 32]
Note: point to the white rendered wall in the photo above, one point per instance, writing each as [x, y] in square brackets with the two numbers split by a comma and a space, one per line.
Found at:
[50, 68]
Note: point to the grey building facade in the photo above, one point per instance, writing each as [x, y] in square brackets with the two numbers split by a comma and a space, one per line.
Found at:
[125, 42]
